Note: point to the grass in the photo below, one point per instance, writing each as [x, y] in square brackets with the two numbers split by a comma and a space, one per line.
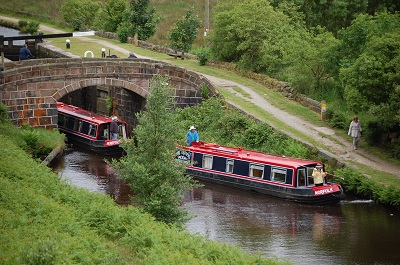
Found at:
[46, 221]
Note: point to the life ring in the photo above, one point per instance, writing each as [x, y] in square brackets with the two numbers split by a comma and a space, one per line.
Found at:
[86, 52]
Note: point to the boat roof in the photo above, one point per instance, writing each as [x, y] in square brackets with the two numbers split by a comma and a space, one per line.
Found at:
[251, 155]
[83, 114]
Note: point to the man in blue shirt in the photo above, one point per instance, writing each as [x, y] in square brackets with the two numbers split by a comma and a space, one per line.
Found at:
[192, 135]
[25, 53]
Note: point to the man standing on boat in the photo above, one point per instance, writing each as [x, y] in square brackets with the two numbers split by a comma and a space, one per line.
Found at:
[192, 135]
[114, 128]
[318, 175]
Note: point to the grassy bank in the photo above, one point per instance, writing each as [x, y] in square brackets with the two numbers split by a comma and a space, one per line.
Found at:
[46, 221]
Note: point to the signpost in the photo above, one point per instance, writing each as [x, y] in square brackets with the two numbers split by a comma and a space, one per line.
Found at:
[323, 109]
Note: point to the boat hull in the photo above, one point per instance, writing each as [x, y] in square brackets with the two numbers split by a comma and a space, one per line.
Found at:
[96, 146]
[300, 195]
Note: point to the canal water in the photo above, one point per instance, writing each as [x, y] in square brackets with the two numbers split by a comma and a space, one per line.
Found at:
[9, 32]
[354, 232]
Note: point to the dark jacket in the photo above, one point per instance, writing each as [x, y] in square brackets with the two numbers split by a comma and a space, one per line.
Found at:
[114, 127]
[25, 53]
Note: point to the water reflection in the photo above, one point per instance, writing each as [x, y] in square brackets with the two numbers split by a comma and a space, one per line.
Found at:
[90, 171]
[355, 232]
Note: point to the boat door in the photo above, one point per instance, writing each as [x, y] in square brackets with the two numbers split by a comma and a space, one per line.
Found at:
[304, 177]
[301, 177]
[123, 134]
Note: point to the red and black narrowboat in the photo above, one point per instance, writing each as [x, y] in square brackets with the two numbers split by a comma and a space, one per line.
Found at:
[90, 130]
[279, 176]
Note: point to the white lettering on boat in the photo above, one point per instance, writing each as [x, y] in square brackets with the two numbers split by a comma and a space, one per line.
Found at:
[324, 191]
[112, 143]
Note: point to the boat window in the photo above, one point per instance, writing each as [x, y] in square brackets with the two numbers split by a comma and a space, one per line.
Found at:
[103, 131]
[92, 130]
[229, 165]
[79, 128]
[310, 179]
[278, 174]
[256, 171]
[70, 123]
[61, 120]
[207, 161]
[301, 177]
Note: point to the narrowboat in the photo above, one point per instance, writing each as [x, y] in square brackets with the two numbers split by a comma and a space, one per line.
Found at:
[279, 176]
[90, 130]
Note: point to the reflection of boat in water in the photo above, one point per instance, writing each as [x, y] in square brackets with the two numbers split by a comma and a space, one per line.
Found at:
[279, 176]
[90, 130]
[257, 216]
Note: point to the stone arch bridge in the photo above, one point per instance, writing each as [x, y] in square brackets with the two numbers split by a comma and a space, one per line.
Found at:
[30, 89]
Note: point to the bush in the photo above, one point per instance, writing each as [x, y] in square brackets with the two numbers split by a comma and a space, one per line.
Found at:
[373, 132]
[202, 55]
[30, 27]
[336, 118]
[3, 112]
[123, 33]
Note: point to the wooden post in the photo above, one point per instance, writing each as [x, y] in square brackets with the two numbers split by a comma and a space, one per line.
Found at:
[323, 109]
[2, 52]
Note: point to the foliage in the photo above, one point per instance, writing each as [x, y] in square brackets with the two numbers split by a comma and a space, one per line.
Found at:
[366, 187]
[142, 19]
[38, 142]
[337, 118]
[123, 32]
[112, 15]
[30, 27]
[51, 222]
[80, 14]
[3, 113]
[109, 104]
[226, 126]
[371, 78]
[184, 32]
[149, 166]
[203, 54]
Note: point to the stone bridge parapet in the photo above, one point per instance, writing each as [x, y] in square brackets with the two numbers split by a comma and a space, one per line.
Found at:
[30, 89]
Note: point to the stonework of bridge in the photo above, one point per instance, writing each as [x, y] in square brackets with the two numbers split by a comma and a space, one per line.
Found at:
[30, 89]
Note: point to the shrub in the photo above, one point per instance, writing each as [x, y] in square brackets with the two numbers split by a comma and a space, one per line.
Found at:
[123, 33]
[202, 55]
[336, 118]
[373, 132]
[3, 112]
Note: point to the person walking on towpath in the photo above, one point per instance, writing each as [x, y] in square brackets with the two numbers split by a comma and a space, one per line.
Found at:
[355, 131]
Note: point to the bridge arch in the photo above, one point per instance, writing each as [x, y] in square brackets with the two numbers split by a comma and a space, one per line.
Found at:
[30, 89]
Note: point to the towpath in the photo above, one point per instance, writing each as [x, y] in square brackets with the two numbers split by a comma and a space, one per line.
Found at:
[329, 142]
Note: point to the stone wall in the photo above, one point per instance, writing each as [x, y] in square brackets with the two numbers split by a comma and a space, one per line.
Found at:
[31, 88]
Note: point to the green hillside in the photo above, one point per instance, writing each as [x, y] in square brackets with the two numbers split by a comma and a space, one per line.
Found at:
[168, 10]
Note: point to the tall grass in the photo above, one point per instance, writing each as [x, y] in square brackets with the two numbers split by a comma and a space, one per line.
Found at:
[46, 221]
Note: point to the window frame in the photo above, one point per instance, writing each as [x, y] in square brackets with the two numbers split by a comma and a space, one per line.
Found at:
[278, 170]
[230, 163]
[253, 168]
[207, 161]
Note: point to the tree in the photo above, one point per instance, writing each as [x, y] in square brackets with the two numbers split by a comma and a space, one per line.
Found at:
[185, 31]
[111, 15]
[80, 14]
[149, 167]
[142, 19]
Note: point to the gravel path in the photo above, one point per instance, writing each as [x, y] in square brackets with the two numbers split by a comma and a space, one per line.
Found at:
[341, 149]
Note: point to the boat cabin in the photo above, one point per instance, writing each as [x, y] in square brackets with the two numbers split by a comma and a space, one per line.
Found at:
[275, 175]
[90, 130]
